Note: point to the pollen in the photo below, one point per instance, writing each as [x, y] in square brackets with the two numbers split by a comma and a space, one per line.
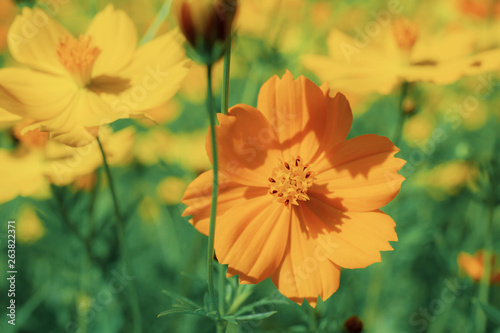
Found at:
[78, 56]
[290, 181]
[405, 33]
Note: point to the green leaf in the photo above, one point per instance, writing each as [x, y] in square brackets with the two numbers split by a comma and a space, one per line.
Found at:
[256, 316]
[182, 300]
[265, 301]
[491, 312]
[180, 310]
[232, 328]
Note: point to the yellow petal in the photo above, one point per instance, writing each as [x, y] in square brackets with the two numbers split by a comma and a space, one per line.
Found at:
[7, 117]
[35, 95]
[68, 163]
[155, 72]
[33, 40]
[113, 32]
[21, 174]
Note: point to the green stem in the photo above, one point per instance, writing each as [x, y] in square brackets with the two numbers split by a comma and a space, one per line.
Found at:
[155, 26]
[215, 192]
[221, 283]
[484, 286]
[134, 302]
[402, 113]
[225, 82]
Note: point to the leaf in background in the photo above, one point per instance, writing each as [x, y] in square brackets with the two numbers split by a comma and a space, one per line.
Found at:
[256, 316]
[260, 303]
[491, 312]
[182, 300]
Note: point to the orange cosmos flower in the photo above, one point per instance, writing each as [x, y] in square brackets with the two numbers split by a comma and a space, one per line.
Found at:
[297, 200]
[473, 266]
[73, 84]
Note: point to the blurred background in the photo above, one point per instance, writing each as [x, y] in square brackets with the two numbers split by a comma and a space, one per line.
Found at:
[69, 273]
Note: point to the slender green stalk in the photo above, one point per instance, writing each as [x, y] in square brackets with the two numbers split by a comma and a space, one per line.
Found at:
[134, 302]
[484, 286]
[215, 192]
[221, 283]
[225, 82]
[402, 113]
[155, 26]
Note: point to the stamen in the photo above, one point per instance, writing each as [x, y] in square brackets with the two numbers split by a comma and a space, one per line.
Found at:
[290, 181]
[78, 56]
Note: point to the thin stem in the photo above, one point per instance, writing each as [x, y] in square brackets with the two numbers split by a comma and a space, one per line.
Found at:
[221, 283]
[225, 82]
[484, 286]
[134, 302]
[402, 113]
[215, 192]
[155, 26]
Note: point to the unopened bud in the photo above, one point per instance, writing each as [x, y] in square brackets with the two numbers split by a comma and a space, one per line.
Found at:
[207, 24]
[353, 325]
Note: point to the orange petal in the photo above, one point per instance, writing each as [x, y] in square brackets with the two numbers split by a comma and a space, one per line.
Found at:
[297, 110]
[349, 239]
[360, 174]
[34, 39]
[198, 198]
[471, 265]
[305, 272]
[252, 236]
[338, 121]
[247, 145]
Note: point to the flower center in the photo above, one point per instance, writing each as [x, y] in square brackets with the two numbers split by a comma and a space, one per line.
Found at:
[406, 33]
[78, 56]
[290, 181]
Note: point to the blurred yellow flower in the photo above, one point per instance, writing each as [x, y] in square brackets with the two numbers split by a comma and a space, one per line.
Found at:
[149, 209]
[195, 85]
[186, 149]
[29, 227]
[162, 114]
[36, 163]
[73, 85]
[171, 190]
[418, 129]
[448, 179]
[377, 62]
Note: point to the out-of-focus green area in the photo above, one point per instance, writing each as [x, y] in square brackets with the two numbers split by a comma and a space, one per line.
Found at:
[68, 260]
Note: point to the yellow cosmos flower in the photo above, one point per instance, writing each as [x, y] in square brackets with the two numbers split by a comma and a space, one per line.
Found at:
[378, 62]
[448, 179]
[37, 162]
[29, 227]
[297, 201]
[186, 149]
[74, 84]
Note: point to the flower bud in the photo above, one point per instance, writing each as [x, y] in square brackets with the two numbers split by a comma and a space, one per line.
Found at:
[206, 24]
